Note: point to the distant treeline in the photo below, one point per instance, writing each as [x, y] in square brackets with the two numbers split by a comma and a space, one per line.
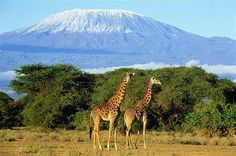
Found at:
[61, 96]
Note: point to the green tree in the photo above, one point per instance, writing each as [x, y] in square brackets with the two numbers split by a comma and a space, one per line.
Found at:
[225, 90]
[54, 93]
[182, 88]
[213, 116]
[10, 112]
[62, 96]
[81, 120]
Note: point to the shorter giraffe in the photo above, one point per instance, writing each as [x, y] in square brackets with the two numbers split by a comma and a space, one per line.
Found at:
[108, 111]
[138, 111]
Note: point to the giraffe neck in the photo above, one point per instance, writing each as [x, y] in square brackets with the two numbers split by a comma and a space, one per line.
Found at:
[147, 97]
[119, 94]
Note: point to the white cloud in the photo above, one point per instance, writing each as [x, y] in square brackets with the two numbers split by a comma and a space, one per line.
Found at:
[220, 69]
[234, 80]
[216, 69]
[151, 65]
[192, 63]
[7, 91]
[7, 75]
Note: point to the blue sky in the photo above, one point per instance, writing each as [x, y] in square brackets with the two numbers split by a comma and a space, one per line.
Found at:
[203, 17]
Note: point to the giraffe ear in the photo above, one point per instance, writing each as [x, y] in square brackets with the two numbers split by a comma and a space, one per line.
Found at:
[129, 73]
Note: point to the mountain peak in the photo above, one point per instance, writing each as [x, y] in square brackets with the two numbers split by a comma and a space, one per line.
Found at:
[119, 33]
[90, 20]
[100, 11]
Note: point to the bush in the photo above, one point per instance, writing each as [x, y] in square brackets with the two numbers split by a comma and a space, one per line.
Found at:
[53, 94]
[5, 108]
[182, 88]
[62, 95]
[213, 116]
[10, 112]
[81, 120]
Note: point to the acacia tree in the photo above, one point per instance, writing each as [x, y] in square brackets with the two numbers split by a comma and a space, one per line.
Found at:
[213, 115]
[182, 88]
[5, 110]
[54, 93]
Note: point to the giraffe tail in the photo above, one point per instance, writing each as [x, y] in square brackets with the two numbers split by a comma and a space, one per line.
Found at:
[90, 127]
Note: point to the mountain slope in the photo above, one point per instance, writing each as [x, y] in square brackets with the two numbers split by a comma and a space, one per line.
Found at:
[127, 36]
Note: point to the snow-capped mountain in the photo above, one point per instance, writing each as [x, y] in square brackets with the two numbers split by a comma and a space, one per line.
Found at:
[95, 38]
[109, 30]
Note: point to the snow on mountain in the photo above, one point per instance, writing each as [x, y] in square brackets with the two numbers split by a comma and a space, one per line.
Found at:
[100, 38]
[110, 30]
[90, 21]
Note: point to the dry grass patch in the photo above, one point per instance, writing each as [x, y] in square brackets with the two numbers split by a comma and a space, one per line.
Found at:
[73, 143]
[43, 149]
[47, 142]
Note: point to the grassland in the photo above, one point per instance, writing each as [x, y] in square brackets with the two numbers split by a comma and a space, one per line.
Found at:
[38, 141]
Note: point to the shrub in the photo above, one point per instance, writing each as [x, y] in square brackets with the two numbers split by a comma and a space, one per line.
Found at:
[10, 111]
[62, 95]
[213, 116]
[5, 109]
[53, 93]
[81, 120]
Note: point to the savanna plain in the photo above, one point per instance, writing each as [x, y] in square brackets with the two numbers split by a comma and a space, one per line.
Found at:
[41, 141]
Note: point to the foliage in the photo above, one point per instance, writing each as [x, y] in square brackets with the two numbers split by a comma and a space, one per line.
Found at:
[5, 110]
[54, 93]
[81, 120]
[10, 111]
[62, 95]
[5, 99]
[182, 88]
[212, 115]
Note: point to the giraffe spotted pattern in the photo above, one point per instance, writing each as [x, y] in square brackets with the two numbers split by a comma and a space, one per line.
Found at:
[108, 111]
[138, 112]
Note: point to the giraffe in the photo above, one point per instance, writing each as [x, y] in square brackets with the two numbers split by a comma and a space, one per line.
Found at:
[108, 111]
[138, 111]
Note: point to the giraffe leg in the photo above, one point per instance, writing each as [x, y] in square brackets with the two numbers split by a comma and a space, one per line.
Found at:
[136, 139]
[110, 133]
[129, 138]
[144, 131]
[96, 131]
[128, 133]
[115, 133]
[94, 137]
[115, 138]
[99, 143]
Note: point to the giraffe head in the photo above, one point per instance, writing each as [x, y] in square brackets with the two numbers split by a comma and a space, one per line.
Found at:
[155, 81]
[121, 89]
[128, 75]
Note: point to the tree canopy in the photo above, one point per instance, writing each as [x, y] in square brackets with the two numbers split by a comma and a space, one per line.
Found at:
[62, 95]
[6, 111]
[182, 88]
[54, 93]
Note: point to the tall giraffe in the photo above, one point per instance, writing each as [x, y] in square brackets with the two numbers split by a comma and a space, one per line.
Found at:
[138, 111]
[108, 111]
